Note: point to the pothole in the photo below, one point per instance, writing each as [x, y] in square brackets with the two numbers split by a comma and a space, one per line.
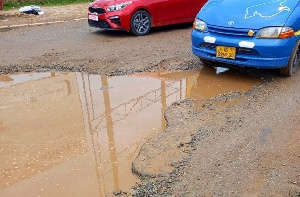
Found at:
[75, 134]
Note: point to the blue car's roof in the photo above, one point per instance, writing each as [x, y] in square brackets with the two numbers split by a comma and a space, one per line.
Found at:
[253, 14]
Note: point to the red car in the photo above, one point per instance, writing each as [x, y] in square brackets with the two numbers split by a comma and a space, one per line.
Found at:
[138, 16]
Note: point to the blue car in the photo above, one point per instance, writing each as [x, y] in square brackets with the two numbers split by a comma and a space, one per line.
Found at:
[253, 33]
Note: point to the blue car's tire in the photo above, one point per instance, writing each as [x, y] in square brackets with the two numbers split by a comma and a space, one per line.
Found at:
[206, 62]
[293, 64]
[140, 23]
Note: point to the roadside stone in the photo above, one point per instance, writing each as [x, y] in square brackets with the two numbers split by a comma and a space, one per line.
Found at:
[4, 28]
[117, 192]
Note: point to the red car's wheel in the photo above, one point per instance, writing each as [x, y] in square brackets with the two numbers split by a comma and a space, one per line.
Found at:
[140, 23]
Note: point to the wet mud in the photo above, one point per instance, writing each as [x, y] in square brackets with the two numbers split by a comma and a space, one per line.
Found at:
[74, 134]
[235, 144]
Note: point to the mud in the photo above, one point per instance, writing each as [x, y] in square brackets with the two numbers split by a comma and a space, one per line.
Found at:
[86, 129]
[66, 129]
[176, 135]
[246, 145]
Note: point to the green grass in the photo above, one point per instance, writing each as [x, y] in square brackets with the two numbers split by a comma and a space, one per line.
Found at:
[10, 5]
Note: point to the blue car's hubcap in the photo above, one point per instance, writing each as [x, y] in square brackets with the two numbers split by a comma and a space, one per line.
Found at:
[141, 23]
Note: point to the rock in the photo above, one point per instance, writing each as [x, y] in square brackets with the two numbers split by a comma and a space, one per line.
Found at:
[169, 181]
[117, 192]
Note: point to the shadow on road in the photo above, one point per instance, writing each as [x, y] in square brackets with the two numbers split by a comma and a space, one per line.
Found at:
[154, 30]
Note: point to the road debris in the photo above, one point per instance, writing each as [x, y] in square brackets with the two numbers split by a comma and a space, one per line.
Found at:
[32, 9]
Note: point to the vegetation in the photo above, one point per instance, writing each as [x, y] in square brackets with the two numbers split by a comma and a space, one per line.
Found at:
[10, 5]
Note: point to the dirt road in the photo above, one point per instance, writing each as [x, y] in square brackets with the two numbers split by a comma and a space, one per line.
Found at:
[233, 144]
[73, 45]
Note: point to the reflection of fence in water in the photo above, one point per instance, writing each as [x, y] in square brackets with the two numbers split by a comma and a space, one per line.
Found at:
[108, 168]
[104, 121]
[123, 110]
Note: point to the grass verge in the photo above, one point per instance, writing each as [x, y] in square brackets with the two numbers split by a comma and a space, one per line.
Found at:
[11, 5]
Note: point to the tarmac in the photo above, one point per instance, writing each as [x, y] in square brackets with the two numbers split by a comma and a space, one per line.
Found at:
[14, 19]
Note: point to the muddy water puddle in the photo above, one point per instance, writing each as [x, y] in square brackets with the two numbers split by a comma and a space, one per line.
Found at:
[74, 134]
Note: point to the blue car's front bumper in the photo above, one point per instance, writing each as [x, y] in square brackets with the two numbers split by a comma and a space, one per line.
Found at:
[259, 53]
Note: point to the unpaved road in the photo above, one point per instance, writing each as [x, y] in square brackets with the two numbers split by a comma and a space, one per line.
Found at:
[76, 46]
[235, 144]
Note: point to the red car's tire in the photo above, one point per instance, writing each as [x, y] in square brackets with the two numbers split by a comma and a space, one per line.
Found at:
[140, 23]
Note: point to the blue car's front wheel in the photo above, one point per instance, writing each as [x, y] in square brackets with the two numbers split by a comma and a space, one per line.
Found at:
[206, 62]
[294, 62]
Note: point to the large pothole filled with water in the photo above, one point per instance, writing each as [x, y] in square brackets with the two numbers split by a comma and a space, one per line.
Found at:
[76, 134]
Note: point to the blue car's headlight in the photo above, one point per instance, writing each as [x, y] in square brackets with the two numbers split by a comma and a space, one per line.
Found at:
[200, 25]
[118, 7]
[275, 32]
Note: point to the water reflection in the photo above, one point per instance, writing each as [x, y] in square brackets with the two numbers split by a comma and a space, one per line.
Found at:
[74, 134]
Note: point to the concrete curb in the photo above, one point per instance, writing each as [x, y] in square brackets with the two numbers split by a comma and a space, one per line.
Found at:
[11, 27]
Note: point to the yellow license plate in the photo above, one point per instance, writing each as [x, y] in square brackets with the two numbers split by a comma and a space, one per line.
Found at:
[226, 52]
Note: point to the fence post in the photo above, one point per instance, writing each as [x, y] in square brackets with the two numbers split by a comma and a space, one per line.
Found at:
[1, 5]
